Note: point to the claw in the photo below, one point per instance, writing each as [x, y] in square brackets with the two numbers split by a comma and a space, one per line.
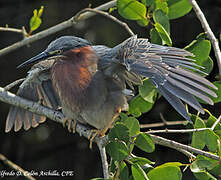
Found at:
[101, 132]
[71, 127]
[96, 133]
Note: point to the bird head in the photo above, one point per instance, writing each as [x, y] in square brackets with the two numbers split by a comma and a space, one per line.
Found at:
[58, 47]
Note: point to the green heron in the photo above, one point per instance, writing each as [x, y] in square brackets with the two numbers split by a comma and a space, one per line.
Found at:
[89, 82]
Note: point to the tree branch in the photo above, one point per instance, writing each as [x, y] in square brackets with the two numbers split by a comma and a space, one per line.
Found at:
[175, 145]
[7, 29]
[11, 85]
[57, 116]
[177, 130]
[167, 123]
[103, 159]
[15, 167]
[123, 24]
[208, 31]
[215, 124]
[66, 24]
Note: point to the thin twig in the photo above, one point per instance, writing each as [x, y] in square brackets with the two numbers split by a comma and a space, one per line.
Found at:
[11, 30]
[175, 145]
[123, 24]
[187, 153]
[176, 130]
[215, 124]
[20, 31]
[167, 123]
[11, 85]
[59, 27]
[15, 167]
[103, 160]
[208, 31]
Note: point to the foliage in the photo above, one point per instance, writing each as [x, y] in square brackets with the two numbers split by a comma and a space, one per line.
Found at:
[125, 136]
[35, 20]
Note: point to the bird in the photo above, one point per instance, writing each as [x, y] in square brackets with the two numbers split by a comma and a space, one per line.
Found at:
[92, 84]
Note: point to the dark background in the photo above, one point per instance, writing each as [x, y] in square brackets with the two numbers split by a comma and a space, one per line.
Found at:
[50, 146]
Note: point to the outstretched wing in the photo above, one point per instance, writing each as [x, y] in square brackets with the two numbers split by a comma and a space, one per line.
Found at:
[167, 68]
[36, 87]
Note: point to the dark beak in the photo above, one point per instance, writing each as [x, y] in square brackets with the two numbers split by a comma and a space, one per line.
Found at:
[37, 58]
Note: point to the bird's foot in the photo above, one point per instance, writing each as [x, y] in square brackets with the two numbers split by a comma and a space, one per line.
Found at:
[71, 124]
[96, 133]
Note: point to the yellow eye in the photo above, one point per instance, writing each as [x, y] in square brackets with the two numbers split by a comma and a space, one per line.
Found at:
[59, 51]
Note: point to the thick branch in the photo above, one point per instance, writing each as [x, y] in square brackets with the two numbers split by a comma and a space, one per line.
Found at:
[54, 29]
[103, 160]
[15, 167]
[57, 116]
[208, 31]
[34, 107]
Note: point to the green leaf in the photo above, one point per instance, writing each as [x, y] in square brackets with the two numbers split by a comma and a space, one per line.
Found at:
[145, 143]
[165, 172]
[120, 132]
[143, 22]
[198, 138]
[148, 2]
[204, 176]
[124, 172]
[40, 11]
[123, 116]
[211, 140]
[131, 9]
[201, 49]
[211, 120]
[208, 65]
[161, 5]
[35, 20]
[216, 170]
[141, 160]
[202, 163]
[138, 106]
[177, 164]
[98, 179]
[163, 34]
[178, 8]
[133, 125]
[117, 150]
[138, 173]
[218, 92]
[148, 91]
[155, 37]
[160, 17]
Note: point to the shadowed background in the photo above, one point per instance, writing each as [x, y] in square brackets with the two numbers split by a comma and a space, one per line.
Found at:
[50, 146]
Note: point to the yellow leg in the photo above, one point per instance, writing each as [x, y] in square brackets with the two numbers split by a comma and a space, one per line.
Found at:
[71, 127]
[101, 132]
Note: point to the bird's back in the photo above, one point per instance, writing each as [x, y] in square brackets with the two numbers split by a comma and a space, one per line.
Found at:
[86, 93]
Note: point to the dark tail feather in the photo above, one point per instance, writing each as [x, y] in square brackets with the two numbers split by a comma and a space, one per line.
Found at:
[11, 118]
[20, 117]
[175, 102]
[183, 95]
